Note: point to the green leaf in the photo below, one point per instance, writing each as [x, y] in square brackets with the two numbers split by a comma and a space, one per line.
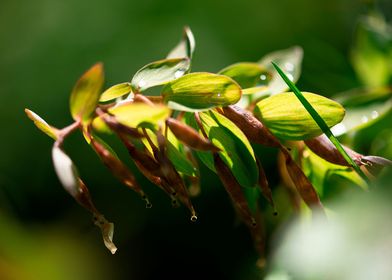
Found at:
[246, 74]
[185, 47]
[115, 92]
[85, 94]
[320, 122]
[201, 91]
[159, 73]
[41, 124]
[288, 119]
[236, 151]
[134, 115]
[372, 52]
[289, 60]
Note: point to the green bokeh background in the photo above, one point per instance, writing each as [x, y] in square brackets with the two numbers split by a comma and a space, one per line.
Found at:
[45, 45]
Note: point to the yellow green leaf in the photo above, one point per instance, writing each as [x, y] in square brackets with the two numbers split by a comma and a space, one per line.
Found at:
[115, 92]
[134, 114]
[41, 124]
[159, 73]
[288, 119]
[85, 94]
[201, 91]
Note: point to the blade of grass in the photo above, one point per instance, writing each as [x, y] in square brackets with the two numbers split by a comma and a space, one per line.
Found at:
[321, 123]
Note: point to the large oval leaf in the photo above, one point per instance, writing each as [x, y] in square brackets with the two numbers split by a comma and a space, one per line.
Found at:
[133, 115]
[236, 150]
[115, 91]
[85, 94]
[201, 91]
[185, 47]
[246, 74]
[288, 119]
[159, 73]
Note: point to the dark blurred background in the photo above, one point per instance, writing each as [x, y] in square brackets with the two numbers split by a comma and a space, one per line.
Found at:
[45, 45]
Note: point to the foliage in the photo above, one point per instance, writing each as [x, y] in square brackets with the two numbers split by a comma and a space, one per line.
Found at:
[212, 118]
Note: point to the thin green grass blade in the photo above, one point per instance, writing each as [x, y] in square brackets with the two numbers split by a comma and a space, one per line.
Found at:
[321, 123]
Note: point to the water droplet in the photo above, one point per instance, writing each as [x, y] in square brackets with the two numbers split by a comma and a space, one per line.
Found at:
[374, 114]
[263, 77]
[289, 66]
[219, 94]
[193, 218]
[141, 83]
[364, 119]
[291, 77]
[179, 73]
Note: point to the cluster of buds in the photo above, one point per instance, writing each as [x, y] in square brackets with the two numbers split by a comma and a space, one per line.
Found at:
[199, 117]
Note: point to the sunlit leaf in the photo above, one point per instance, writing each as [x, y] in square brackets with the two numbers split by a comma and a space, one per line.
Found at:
[133, 115]
[287, 118]
[159, 73]
[372, 51]
[185, 47]
[41, 124]
[236, 151]
[115, 92]
[289, 60]
[247, 74]
[201, 91]
[85, 94]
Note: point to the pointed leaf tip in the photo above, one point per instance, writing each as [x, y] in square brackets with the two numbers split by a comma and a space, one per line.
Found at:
[85, 94]
[41, 124]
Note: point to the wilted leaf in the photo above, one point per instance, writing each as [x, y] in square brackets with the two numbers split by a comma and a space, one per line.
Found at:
[247, 74]
[287, 118]
[236, 151]
[133, 115]
[115, 92]
[185, 47]
[201, 91]
[41, 124]
[159, 73]
[85, 94]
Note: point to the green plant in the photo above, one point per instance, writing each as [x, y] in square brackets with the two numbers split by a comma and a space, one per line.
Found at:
[211, 118]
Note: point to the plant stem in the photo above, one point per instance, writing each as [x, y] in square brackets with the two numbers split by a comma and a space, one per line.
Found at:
[321, 123]
[64, 132]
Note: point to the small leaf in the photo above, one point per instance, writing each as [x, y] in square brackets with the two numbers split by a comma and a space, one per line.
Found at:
[201, 91]
[288, 119]
[85, 94]
[134, 115]
[159, 73]
[247, 74]
[66, 171]
[185, 47]
[115, 92]
[41, 124]
[289, 60]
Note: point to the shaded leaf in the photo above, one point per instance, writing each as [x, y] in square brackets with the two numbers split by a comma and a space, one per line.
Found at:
[185, 47]
[159, 73]
[41, 124]
[115, 92]
[287, 118]
[85, 94]
[201, 91]
[372, 51]
[247, 74]
[236, 151]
